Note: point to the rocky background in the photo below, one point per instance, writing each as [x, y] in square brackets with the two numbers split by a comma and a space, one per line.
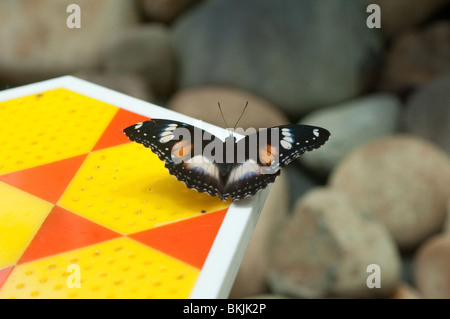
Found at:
[377, 193]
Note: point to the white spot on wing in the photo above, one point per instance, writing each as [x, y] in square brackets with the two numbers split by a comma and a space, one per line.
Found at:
[286, 144]
[171, 127]
[166, 139]
[166, 133]
[316, 132]
[286, 132]
[138, 125]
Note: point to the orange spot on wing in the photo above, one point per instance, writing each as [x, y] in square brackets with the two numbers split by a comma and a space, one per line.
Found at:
[267, 154]
[181, 149]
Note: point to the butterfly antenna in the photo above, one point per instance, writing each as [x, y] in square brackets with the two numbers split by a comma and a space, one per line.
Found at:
[223, 117]
[246, 104]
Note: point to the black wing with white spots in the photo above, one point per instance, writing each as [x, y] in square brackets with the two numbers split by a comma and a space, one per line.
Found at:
[158, 135]
[265, 152]
[204, 162]
[180, 146]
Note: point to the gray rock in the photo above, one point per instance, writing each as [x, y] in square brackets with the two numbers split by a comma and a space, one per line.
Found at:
[407, 267]
[325, 249]
[403, 181]
[299, 55]
[417, 57]
[37, 44]
[164, 10]
[300, 182]
[130, 84]
[447, 218]
[147, 51]
[267, 296]
[432, 264]
[352, 124]
[428, 112]
[402, 15]
[405, 291]
[201, 103]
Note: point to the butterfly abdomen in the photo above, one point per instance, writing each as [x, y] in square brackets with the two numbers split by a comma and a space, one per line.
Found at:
[225, 169]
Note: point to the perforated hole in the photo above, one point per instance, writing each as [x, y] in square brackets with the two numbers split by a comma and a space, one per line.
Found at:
[51, 266]
[58, 287]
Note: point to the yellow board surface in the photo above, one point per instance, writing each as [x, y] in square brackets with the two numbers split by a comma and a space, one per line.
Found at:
[123, 187]
[21, 215]
[120, 268]
[82, 205]
[44, 128]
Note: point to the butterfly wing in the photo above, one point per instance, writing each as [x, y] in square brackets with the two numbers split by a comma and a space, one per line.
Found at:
[181, 146]
[294, 140]
[253, 163]
[259, 156]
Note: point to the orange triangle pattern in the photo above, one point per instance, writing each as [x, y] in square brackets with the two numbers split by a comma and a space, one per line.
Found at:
[4, 273]
[47, 181]
[113, 134]
[63, 231]
[189, 240]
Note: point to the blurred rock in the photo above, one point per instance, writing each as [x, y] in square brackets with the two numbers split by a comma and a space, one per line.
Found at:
[130, 84]
[251, 278]
[300, 182]
[431, 273]
[325, 248]
[407, 267]
[145, 50]
[37, 44]
[405, 291]
[447, 220]
[403, 181]
[401, 15]
[280, 51]
[428, 112]
[201, 103]
[416, 58]
[268, 296]
[164, 10]
[352, 124]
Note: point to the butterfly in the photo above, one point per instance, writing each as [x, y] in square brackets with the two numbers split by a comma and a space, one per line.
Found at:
[231, 168]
